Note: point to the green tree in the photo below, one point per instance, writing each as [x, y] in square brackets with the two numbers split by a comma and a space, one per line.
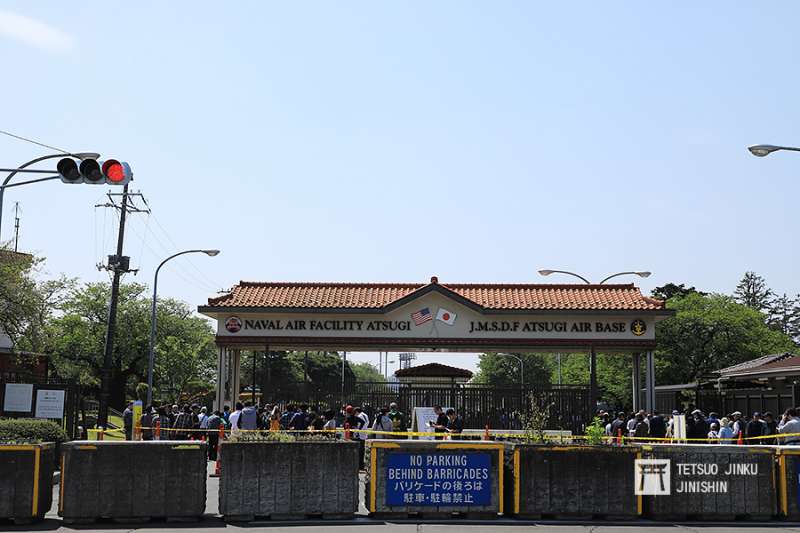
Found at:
[76, 339]
[25, 303]
[753, 292]
[366, 372]
[613, 375]
[671, 290]
[708, 333]
[503, 371]
[784, 315]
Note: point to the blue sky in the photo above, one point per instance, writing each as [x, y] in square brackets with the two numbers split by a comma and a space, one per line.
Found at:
[383, 141]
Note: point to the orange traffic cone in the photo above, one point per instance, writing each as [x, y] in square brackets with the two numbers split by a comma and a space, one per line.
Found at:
[741, 439]
[486, 432]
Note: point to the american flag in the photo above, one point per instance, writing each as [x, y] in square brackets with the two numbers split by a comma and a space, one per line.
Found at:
[422, 316]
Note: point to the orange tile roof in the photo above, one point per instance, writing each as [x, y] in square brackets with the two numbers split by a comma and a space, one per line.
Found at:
[512, 297]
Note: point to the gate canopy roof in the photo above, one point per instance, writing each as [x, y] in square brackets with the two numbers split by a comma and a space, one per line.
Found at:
[435, 316]
[485, 297]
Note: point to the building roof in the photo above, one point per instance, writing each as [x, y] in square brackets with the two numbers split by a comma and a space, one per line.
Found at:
[433, 370]
[782, 363]
[485, 296]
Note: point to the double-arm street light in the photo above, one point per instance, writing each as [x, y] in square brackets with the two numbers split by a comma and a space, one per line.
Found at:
[151, 361]
[21, 168]
[641, 274]
[763, 150]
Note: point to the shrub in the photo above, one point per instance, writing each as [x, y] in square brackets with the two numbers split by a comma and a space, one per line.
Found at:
[595, 433]
[30, 430]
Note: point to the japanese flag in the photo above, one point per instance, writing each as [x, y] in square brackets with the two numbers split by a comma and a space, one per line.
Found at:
[448, 317]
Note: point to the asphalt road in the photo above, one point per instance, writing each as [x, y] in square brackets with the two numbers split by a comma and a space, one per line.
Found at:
[213, 524]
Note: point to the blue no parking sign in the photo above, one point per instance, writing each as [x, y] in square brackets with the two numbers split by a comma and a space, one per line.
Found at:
[442, 479]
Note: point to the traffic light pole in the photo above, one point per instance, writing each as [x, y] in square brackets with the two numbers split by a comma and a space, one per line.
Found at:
[119, 269]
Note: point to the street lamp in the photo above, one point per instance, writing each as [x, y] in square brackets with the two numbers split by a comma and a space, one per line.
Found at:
[763, 150]
[78, 155]
[151, 361]
[521, 367]
[641, 274]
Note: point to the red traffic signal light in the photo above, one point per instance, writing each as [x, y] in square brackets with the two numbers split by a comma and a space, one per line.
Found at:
[117, 173]
[111, 172]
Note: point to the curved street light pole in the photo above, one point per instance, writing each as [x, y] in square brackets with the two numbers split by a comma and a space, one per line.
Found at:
[79, 155]
[641, 274]
[763, 150]
[644, 274]
[548, 272]
[151, 360]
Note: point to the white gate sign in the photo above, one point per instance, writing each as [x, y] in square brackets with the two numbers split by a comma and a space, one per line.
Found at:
[49, 404]
[18, 397]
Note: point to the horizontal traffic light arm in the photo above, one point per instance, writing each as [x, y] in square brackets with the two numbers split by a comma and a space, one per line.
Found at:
[27, 170]
[8, 186]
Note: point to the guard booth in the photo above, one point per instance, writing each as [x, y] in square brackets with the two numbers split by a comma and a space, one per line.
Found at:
[457, 317]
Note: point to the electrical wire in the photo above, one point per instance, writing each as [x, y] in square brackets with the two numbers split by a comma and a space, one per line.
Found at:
[158, 256]
[21, 138]
[202, 274]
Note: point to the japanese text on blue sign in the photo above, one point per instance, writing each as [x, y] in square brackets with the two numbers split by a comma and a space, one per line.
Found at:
[438, 479]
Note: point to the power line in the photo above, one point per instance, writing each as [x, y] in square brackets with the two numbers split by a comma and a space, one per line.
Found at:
[202, 274]
[21, 138]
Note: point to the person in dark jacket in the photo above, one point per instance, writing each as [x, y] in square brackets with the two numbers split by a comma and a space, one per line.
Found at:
[213, 424]
[619, 425]
[127, 421]
[755, 428]
[146, 423]
[658, 426]
[770, 428]
[699, 428]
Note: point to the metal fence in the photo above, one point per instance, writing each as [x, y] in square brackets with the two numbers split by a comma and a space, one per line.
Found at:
[727, 401]
[479, 405]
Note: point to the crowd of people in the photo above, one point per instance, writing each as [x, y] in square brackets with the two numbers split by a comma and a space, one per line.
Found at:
[195, 422]
[731, 429]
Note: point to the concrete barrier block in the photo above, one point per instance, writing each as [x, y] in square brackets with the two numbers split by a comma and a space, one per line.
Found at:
[288, 479]
[434, 478]
[571, 481]
[151, 479]
[721, 482]
[26, 486]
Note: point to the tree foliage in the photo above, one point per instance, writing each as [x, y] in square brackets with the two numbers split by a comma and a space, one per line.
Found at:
[753, 292]
[185, 354]
[367, 372]
[26, 304]
[504, 371]
[711, 332]
[672, 290]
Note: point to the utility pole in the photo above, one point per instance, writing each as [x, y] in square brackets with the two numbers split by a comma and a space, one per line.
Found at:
[119, 265]
[16, 226]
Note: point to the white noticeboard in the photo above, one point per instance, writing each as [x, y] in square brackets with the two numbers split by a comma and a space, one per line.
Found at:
[423, 415]
[49, 404]
[679, 427]
[18, 397]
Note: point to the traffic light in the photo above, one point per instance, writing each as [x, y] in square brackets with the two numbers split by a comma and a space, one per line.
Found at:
[111, 172]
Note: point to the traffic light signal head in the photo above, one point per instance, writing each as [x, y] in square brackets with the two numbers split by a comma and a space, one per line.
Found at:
[90, 170]
[111, 172]
[68, 170]
[117, 173]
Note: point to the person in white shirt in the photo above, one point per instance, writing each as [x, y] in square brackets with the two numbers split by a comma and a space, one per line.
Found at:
[234, 418]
